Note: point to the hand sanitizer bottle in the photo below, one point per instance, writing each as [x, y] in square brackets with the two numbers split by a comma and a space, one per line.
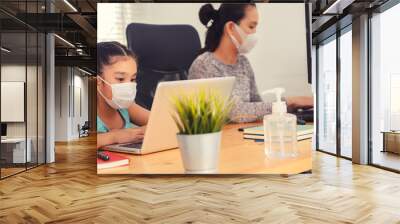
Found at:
[280, 135]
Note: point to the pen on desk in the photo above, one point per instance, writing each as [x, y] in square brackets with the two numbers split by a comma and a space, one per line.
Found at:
[242, 128]
[102, 156]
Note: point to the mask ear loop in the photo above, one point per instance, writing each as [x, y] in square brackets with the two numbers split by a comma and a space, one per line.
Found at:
[108, 100]
[241, 33]
[104, 97]
[233, 39]
[105, 83]
[103, 80]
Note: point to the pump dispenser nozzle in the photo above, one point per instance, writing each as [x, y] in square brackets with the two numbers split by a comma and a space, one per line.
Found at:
[279, 106]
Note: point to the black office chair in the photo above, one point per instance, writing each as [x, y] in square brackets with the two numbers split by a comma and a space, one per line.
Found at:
[165, 53]
[84, 129]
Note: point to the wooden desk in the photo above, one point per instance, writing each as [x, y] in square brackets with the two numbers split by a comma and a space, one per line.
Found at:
[14, 148]
[391, 141]
[237, 156]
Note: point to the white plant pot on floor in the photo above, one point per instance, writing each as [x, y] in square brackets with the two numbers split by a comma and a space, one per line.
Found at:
[200, 153]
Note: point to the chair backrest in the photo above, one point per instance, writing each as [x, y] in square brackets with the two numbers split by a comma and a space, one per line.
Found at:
[86, 125]
[165, 53]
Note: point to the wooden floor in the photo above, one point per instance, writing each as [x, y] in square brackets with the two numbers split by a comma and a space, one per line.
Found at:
[10, 171]
[387, 159]
[69, 191]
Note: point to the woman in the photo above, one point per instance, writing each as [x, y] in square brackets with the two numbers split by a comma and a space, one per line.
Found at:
[117, 113]
[230, 35]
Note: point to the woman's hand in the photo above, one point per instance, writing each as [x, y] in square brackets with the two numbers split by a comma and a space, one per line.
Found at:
[299, 102]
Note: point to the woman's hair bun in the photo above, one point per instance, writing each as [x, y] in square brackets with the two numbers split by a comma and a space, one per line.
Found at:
[207, 13]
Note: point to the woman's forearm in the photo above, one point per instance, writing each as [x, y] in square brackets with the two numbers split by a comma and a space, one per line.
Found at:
[299, 102]
[249, 111]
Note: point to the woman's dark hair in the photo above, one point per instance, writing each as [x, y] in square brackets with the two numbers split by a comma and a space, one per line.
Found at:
[107, 50]
[227, 12]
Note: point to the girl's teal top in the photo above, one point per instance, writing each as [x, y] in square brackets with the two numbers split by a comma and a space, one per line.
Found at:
[101, 127]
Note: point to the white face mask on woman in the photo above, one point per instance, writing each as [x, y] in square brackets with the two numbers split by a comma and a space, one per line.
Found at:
[123, 94]
[248, 40]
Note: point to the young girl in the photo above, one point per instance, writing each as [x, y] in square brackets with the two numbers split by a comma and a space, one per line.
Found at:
[117, 113]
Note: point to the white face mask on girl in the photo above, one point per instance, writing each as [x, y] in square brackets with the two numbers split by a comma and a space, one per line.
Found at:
[123, 94]
[248, 41]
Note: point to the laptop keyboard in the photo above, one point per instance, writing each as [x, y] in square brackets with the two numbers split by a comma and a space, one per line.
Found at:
[133, 145]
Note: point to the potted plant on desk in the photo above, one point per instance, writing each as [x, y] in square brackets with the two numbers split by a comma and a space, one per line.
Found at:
[200, 118]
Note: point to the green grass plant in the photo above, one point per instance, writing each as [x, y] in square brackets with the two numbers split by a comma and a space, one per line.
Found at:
[201, 112]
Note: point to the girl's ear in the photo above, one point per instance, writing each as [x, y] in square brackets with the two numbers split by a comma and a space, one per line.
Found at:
[98, 80]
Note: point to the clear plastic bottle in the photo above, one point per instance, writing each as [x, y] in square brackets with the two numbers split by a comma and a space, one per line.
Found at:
[280, 134]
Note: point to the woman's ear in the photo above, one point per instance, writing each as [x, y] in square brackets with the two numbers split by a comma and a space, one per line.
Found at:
[231, 31]
[229, 28]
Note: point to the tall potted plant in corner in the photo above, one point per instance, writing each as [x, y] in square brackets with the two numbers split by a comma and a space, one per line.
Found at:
[200, 118]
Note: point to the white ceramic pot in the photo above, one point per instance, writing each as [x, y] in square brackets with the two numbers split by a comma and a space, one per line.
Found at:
[200, 153]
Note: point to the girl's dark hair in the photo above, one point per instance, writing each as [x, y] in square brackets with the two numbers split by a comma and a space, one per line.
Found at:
[107, 50]
[227, 12]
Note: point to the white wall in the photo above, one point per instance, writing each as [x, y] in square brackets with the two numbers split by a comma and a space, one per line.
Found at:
[81, 84]
[33, 127]
[68, 82]
[279, 59]
[61, 103]
[113, 18]
[12, 73]
[13, 100]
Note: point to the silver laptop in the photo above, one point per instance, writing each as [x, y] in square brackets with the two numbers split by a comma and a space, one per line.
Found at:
[161, 130]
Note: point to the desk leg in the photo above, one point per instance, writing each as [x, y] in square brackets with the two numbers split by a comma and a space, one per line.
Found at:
[384, 143]
[307, 172]
[288, 175]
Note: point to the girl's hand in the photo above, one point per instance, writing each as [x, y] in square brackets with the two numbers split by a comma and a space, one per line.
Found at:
[134, 135]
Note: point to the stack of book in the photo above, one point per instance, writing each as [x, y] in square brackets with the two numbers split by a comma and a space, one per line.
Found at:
[113, 160]
[257, 133]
